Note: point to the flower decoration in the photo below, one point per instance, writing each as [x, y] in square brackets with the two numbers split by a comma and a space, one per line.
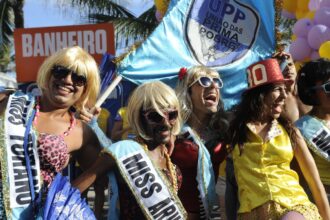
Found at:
[182, 73]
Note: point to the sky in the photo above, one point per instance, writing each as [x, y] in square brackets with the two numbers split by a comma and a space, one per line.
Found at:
[42, 13]
[47, 13]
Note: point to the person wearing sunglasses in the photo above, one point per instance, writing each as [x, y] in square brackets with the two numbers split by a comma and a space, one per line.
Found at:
[263, 144]
[198, 90]
[314, 90]
[40, 134]
[141, 173]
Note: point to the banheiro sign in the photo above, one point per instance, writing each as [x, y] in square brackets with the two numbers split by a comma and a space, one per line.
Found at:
[33, 45]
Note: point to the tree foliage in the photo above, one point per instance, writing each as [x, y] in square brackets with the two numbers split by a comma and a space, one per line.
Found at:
[127, 26]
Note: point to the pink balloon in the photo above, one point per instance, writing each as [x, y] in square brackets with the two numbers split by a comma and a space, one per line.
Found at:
[302, 27]
[317, 35]
[315, 55]
[322, 16]
[300, 49]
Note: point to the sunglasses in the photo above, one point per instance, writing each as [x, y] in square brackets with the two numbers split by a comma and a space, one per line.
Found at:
[154, 117]
[206, 81]
[60, 72]
[325, 87]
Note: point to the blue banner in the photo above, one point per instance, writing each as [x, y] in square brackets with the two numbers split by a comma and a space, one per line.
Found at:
[227, 35]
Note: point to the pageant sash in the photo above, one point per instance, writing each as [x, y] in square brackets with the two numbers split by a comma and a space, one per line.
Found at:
[316, 134]
[18, 110]
[205, 178]
[150, 188]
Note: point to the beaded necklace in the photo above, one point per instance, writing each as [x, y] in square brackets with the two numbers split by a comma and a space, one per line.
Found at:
[72, 118]
[170, 166]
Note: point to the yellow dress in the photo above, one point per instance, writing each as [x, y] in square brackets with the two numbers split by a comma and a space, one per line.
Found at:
[264, 176]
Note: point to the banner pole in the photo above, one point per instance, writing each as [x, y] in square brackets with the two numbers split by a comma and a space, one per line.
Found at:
[107, 92]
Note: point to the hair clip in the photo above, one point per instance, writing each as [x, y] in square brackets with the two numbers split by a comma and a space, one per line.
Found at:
[182, 73]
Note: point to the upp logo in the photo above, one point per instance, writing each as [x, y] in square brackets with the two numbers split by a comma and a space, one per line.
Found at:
[220, 31]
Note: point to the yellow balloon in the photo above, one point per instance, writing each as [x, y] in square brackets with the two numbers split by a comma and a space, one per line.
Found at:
[303, 5]
[290, 5]
[161, 5]
[324, 50]
[310, 15]
[301, 14]
[293, 37]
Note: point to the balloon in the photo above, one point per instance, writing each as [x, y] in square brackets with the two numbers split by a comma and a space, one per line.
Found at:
[317, 35]
[313, 5]
[290, 5]
[322, 16]
[325, 3]
[301, 14]
[310, 15]
[315, 55]
[302, 27]
[303, 5]
[300, 49]
[324, 50]
[161, 6]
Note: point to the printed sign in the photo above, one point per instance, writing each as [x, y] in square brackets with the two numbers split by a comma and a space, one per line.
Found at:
[226, 30]
[33, 45]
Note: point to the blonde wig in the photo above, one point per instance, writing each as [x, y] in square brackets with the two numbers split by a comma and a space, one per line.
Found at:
[183, 88]
[151, 95]
[78, 60]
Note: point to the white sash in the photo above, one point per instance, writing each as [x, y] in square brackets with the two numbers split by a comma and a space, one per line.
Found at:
[16, 116]
[205, 179]
[150, 189]
[316, 134]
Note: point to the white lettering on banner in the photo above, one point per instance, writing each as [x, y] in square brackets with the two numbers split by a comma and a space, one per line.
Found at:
[45, 44]
[253, 74]
[222, 31]
[150, 188]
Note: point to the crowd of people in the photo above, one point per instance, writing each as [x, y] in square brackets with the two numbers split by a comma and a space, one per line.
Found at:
[162, 158]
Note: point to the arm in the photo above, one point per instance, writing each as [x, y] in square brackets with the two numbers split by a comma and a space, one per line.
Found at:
[103, 164]
[88, 156]
[311, 174]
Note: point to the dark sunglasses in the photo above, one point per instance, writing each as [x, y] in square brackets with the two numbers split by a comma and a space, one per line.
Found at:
[325, 87]
[154, 117]
[60, 72]
[206, 81]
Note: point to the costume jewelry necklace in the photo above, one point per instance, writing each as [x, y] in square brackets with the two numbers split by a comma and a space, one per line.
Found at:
[35, 120]
[170, 166]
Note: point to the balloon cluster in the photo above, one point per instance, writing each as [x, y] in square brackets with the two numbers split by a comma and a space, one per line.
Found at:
[311, 38]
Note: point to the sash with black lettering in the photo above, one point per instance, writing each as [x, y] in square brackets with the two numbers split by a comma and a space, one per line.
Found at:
[18, 110]
[209, 207]
[151, 190]
[316, 134]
